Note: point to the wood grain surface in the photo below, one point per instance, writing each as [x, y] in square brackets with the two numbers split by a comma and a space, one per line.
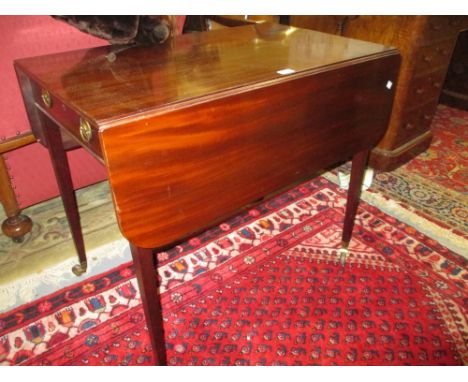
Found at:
[109, 83]
[176, 173]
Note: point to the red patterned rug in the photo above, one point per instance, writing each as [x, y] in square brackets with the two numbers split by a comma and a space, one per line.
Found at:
[266, 288]
[446, 162]
[429, 192]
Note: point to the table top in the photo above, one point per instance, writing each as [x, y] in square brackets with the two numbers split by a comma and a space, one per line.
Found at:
[152, 79]
[193, 130]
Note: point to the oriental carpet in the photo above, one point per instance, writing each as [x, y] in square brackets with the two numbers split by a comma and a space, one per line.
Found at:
[266, 288]
[434, 185]
[430, 192]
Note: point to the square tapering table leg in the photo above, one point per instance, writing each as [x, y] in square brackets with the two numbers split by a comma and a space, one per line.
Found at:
[146, 270]
[358, 168]
[61, 167]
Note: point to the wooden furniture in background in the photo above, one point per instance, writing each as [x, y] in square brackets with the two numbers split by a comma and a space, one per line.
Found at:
[199, 23]
[426, 44]
[16, 225]
[26, 176]
[30, 173]
[455, 91]
[214, 22]
[194, 130]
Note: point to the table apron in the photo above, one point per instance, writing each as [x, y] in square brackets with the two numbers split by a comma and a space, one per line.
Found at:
[174, 174]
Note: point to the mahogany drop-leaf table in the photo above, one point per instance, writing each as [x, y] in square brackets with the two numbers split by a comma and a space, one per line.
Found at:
[194, 130]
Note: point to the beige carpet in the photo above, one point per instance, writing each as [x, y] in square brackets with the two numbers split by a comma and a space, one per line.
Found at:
[49, 242]
[42, 263]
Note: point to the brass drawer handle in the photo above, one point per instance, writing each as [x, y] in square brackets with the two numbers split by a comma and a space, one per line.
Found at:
[46, 98]
[85, 130]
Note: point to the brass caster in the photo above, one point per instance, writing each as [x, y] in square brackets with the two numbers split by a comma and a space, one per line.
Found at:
[343, 252]
[79, 269]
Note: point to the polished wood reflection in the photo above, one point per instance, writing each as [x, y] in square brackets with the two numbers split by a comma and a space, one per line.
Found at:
[189, 66]
[202, 163]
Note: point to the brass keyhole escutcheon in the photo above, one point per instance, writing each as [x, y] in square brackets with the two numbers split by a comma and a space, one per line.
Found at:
[85, 130]
[46, 98]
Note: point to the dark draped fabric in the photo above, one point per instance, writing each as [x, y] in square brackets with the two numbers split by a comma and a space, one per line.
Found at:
[125, 29]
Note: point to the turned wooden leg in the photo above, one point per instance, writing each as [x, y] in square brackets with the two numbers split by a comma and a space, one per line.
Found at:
[354, 192]
[16, 225]
[61, 167]
[146, 271]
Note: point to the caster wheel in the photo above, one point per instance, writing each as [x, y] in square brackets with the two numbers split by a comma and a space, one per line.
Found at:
[79, 269]
[343, 252]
